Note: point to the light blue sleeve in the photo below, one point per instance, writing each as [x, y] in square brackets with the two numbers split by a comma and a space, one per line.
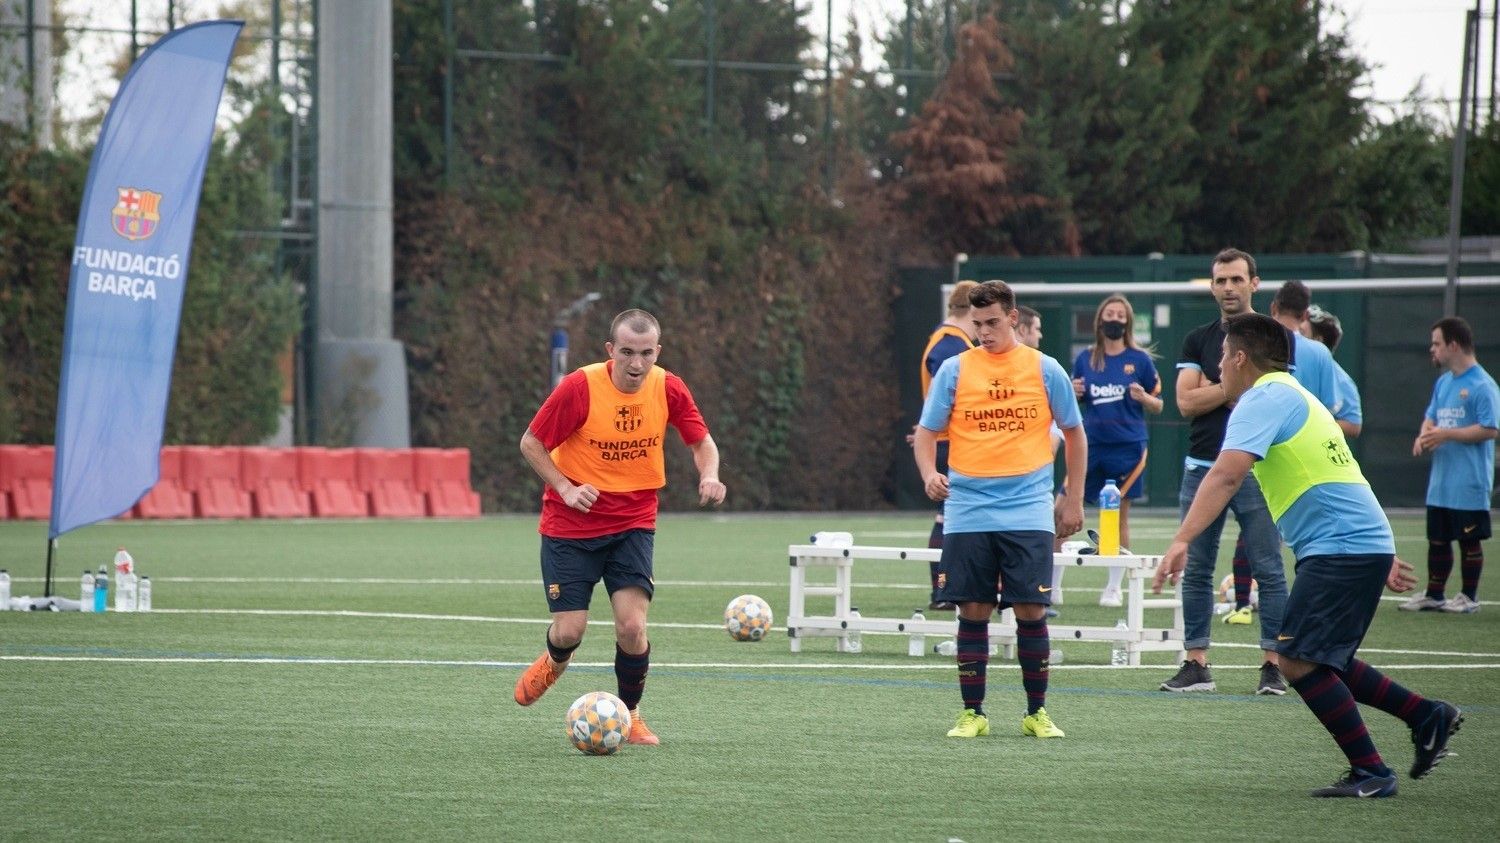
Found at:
[1350, 409]
[1315, 373]
[1485, 399]
[1060, 394]
[1264, 416]
[939, 404]
[1431, 412]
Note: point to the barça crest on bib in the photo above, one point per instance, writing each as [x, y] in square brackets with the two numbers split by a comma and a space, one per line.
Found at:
[628, 417]
[137, 213]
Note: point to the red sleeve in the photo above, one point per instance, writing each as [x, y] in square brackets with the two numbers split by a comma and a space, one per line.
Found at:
[564, 411]
[682, 411]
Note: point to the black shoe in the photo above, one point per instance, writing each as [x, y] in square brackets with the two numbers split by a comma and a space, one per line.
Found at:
[1190, 677]
[1361, 784]
[941, 606]
[1431, 738]
[1271, 681]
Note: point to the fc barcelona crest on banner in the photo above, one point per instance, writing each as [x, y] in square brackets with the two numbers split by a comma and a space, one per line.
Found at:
[137, 214]
[628, 417]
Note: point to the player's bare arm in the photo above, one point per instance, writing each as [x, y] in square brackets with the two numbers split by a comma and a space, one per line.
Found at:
[1432, 437]
[1067, 513]
[706, 457]
[1218, 488]
[580, 498]
[1196, 394]
[924, 450]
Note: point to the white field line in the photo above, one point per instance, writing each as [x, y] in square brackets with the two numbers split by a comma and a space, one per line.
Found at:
[939, 665]
[349, 613]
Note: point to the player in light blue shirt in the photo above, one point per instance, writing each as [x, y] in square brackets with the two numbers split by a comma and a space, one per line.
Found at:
[1312, 362]
[1459, 430]
[1347, 410]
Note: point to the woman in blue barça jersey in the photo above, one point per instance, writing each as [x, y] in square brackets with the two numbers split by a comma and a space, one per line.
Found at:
[1117, 384]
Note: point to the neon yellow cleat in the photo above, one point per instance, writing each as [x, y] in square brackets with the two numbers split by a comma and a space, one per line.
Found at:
[970, 725]
[1240, 617]
[1039, 725]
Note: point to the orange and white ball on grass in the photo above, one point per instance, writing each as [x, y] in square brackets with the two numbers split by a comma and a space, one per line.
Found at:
[598, 723]
[748, 618]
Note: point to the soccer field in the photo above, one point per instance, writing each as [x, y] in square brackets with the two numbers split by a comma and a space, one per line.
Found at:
[353, 680]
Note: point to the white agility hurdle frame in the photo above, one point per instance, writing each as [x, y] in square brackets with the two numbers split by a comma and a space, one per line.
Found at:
[1136, 636]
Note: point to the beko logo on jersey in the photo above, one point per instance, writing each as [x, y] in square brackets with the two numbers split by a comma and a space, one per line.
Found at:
[1104, 393]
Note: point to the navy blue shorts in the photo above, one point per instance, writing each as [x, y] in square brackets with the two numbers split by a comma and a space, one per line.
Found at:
[1332, 602]
[1448, 525]
[1123, 462]
[977, 565]
[572, 567]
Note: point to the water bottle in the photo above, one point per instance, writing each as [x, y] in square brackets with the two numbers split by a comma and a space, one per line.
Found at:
[946, 648]
[86, 592]
[143, 598]
[824, 538]
[101, 590]
[856, 645]
[125, 581]
[1054, 657]
[915, 643]
[4, 590]
[1117, 654]
[1109, 519]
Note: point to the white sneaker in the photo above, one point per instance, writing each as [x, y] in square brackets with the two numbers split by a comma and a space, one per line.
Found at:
[1460, 604]
[1111, 597]
[1422, 603]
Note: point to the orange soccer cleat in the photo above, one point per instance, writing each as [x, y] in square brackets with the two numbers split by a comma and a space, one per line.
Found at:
[537, 679]
[640, 733]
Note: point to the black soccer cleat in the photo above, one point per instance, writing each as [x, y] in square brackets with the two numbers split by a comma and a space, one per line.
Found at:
[1359, 783]
[1431, 738]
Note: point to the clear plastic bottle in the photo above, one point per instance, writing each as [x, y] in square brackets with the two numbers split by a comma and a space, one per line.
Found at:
[143, 597]
[125, 581]
[86, 592]
[1109, 519]
[825, 538]
[856, 643]
[1054, 656]
[1118, 655]
[916, 642]
[101, 590]
[4, 590]
[946, 648]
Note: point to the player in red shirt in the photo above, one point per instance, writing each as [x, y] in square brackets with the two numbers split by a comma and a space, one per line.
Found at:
[598, 444]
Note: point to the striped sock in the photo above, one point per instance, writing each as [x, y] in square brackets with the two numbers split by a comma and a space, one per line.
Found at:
[1033, 652]
[630, 674]
[1471, 565]
[1439, 566]
[1334, 706]
[973, 661]
[1242, 576]
[1372, 687]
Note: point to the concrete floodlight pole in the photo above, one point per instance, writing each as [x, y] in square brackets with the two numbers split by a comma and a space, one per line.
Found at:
[360, 370]
[1456, 187]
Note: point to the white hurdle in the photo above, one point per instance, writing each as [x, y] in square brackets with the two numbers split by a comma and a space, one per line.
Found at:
[1136, 636]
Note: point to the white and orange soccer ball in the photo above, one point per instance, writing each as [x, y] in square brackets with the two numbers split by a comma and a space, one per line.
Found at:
[748, 618]
[1226, 590]
[598, 723]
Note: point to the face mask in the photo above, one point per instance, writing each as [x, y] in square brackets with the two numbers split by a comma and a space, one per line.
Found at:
[1112, 330]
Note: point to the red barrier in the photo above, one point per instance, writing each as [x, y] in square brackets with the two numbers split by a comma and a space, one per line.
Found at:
[213, 476]
[387, 476]
[331, 481]
[442, 477]
[168, 498]
[26, 480]
[270, 475]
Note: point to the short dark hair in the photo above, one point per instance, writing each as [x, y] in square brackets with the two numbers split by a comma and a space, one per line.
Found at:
[1264, 340]
[1293, 299]
[1231, 255]
[993, 292]
[1028, 314]
[1325, 327]
[637, 320]
[1456, 330]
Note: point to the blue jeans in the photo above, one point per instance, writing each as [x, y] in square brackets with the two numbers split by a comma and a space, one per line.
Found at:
[1262, 548]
